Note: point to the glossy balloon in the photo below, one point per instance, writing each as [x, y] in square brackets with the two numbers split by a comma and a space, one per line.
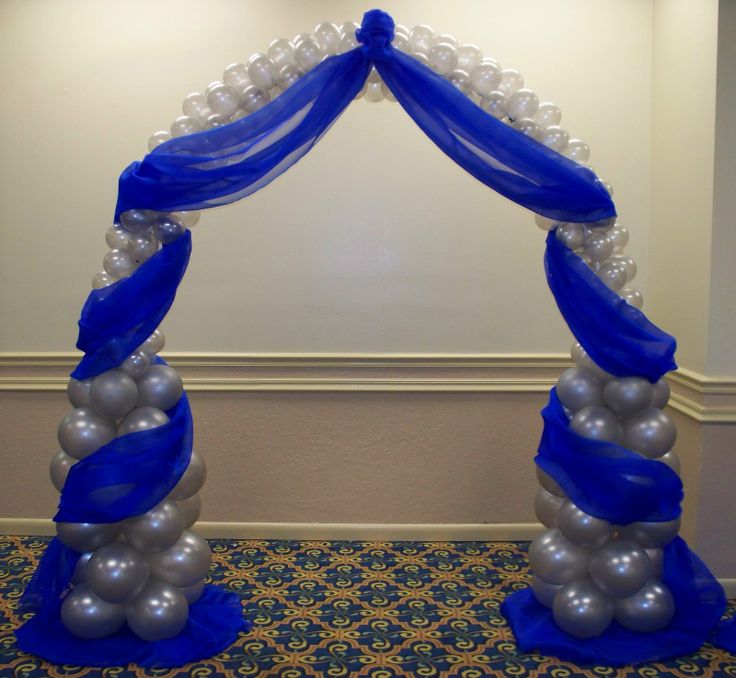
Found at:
[597, 423]
[620, 568]
[190, 509]
[657, 558]
[581, 529]
[61, 462]
[548, 482]
[579, 387]
[523, 103]
[81, 567]
[485, 79]
[86, 536]
[117, 237]
[160, 387]
[87, 616]
[628, 395]
[193, 478]
[651, 433]
[661, 393]
[168, 228]
[118, 263]
[142, 246]
[117, 572]
[136, 364]
[159, 611]
[582, 609]
[154, 344]
[142, 419]
[83, 431]
[194, 592]
[672, 460]
[137, 221]
[546, 507]
[183, 564]
[543, 591]
[113, 394]
[651, 535]
[572, 235]
[442, 58]
[649, 609]
[555, 559]
[581, 358]
[157, 530]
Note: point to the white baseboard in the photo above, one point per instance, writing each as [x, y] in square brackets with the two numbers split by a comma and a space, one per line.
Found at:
[326, 531]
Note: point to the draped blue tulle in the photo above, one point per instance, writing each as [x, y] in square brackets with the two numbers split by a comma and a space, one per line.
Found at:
[215, 621]
[617, 336]
[605, 479]
[129, 475]
[117, 319]
[699, 602]
[222, 165]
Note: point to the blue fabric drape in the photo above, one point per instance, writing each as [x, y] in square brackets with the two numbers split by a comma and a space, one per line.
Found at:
[223, 165]
[617, 336]
[699, 602]
[117, 319]
[604, 479]
[131, 474]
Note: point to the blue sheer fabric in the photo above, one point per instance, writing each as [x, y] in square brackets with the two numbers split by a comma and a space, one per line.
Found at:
[222, 165]
[699, 604]
[604, 479]
[117, 319]
[617, 336]
[215, 621]
[219, 166]
[129, 475]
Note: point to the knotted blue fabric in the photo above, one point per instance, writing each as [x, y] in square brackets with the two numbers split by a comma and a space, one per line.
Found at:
[220, 166]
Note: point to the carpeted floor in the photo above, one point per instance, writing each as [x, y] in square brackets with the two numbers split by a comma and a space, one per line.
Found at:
[353, 609]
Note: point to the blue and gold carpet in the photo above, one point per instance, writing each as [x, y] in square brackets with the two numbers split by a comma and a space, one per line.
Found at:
[376, 609]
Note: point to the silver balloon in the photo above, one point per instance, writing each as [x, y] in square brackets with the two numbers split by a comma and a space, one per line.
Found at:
[597, 423]
[546, 507]
[159, 611]
[154, 344]
[185, 563]
[117, 572]
[142, 419]
[78, 392]
[117, 237]
[657, 558]
[113, 394]
[191, 482]
[628, 396]
[80, 568]
[142, 246]
[194, 592]
[582, 609]
[661, 391]
[160, 387]
[190, 509]
[649, 609]
[672, 460]
[581, 358]
[83, 431]
[61, 462]
[651, 433]
[555, 559]
[620, 568]
[136, 364]
[544, 592]
[157, 530]
[572, 235]
[137, 221]
[581, 529]
[87, 616]
[651, 535]
[86, 536]
[168, 229]
[579, 387]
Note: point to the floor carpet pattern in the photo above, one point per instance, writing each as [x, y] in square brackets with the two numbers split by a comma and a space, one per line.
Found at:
[337, 608]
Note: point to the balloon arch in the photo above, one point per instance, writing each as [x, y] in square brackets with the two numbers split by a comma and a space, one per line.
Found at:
[123, 581]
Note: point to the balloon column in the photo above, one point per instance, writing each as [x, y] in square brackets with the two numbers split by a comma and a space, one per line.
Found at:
[123, 580]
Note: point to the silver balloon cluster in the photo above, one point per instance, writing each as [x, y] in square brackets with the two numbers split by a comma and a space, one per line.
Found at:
[588, 571]
[147, 570]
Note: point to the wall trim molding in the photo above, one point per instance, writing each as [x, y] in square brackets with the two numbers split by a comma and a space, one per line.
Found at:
[702, 398]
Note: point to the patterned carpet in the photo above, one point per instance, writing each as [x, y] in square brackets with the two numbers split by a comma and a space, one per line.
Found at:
[334, 609]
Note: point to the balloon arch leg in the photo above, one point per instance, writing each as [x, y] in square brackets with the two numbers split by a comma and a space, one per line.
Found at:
[123, 581]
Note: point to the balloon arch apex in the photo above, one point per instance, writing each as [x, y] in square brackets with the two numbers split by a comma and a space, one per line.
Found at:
[123, 580]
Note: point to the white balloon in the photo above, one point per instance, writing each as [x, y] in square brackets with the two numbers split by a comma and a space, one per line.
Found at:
[511, 81]
[485, 78]
[254, 98]
[117, 237]
[327, 36]
[195, 105]
[307, 54]
[597, 246]
[142, 246]
[495, 103]
[555, 137]
[572, 235]
[236, 75]
[421, 39]
[577, 150]
[468, 57]
[442, 58]
[548, 115]
[632, 297]
[158, 138]
[528, 127]
[523, 103]
[102, 279]
[118, 263]
[223, 99]
[461, 80]
[184, 125]
[373, 92]
[262, 71]
[281, 52]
